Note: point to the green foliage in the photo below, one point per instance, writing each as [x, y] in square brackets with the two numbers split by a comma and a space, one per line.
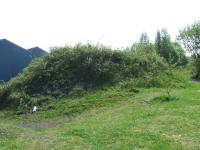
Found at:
[143, 49]
[73, 71]
[169, 82]
[144, 38]
[109, 119]
[190, 37]
[196, 68]
[165, 48]
[182, 59]
[5, 92]
[169, 79]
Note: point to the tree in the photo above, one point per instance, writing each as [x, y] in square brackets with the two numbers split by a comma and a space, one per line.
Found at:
[144, 38]
[158, 42]
[164, 47]
[143, 46]
[190, 37]
[182, 59]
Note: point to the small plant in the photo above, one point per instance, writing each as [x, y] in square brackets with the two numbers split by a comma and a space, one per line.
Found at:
[169, 81]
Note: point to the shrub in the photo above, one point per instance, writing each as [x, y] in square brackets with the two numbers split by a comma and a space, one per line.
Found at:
[69, 71]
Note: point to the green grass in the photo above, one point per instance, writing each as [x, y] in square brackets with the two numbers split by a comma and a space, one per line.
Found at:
[109, 119]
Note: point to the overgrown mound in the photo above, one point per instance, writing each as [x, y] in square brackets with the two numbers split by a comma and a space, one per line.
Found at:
[74, 70]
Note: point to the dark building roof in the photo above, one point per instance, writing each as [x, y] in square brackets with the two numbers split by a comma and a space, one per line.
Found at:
[36, 52]
[13, 59]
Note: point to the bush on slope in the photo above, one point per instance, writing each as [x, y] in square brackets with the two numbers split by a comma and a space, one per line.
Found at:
[74, 70]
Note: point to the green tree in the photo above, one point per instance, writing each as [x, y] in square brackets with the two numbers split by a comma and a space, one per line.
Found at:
[182, 59]
[190, 37]
[144, 38]
[158, 42]
[143, 46]
[164, 47]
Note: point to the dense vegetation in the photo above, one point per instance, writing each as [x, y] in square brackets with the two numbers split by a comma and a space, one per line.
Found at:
[190, 37]
[112, 118]
[72, 71]
[75, 70]
[171, 51]
[94, 97]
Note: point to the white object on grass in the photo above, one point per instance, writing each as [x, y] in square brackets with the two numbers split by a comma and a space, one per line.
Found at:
[34, 108]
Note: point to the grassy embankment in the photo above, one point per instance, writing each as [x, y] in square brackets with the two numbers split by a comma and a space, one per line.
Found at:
[113, 118]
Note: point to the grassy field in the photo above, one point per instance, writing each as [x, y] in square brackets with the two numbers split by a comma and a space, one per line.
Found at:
[109, 119]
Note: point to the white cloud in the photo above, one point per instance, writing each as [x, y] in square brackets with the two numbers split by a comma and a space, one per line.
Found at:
[118, 23]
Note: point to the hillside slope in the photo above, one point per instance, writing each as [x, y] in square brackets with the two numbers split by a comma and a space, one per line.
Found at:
[109, 119]
[91, 97]
[73, 71]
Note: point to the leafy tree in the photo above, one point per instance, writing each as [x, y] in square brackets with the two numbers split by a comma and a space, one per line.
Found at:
[158, 42]
[164, 47]
[143, 47]
[190, 37]
[182, 59]
[144, 38]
